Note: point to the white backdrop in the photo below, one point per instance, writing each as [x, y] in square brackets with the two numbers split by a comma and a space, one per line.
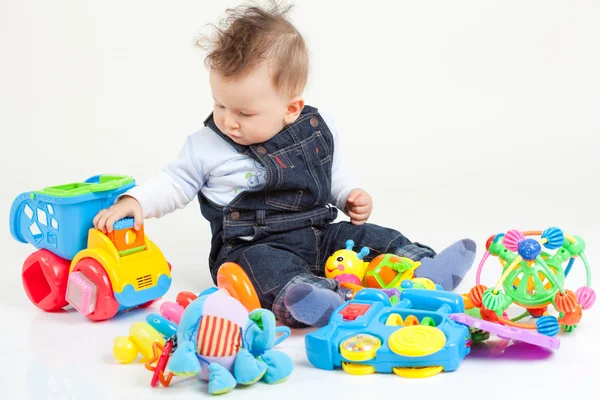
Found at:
[463, 118]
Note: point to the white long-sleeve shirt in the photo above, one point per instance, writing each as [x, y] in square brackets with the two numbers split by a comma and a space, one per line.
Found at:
[209, 164]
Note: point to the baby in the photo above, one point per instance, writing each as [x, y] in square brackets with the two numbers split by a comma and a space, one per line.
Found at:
[269, 177]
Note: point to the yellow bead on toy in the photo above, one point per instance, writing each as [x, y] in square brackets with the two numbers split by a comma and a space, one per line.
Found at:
[143, 336]
[124, 350]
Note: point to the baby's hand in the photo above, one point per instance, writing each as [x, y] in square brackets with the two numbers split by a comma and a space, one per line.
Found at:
[127, 206]
[359, 206]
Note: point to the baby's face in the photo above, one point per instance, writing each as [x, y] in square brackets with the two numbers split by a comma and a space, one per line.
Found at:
[248, 108]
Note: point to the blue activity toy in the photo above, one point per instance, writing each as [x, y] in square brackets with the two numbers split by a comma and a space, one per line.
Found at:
[413, 338]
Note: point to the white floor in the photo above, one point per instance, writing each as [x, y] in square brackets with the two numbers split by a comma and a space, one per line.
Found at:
[65, 356]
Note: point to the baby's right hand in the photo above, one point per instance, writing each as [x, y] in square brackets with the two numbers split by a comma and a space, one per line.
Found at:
[127, 206]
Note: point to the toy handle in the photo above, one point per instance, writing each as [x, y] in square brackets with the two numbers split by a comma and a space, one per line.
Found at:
[232, 278]
[285, 331]
[480, 268]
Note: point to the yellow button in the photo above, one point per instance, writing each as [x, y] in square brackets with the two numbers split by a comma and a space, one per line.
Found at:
[417, 341]
[394, 320]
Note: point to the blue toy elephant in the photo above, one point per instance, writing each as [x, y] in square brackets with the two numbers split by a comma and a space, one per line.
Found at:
[218, 340]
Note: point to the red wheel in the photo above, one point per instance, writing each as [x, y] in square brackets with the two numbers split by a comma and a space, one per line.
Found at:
[44, 277]
[106, 305]
[149, 303]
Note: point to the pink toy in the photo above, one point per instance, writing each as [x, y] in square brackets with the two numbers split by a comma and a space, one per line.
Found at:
[508, 332]
[171, 311]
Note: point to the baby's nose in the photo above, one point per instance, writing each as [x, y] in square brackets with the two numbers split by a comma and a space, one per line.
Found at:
[231, 124]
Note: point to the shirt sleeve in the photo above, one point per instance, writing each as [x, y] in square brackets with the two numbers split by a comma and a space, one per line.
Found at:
[174, 187]
[342, 182]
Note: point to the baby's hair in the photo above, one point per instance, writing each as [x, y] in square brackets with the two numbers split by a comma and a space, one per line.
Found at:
[249, 35]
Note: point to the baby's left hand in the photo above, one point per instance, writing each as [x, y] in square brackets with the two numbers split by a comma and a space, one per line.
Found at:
[359, 206]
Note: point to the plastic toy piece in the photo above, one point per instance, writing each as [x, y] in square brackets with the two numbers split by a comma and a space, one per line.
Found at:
[125, 238]
[353, 311]
[386, 271]
[232, 278]
[394, 320]
[508, 332]
[214, 337]
[417, 341]
[171, 311]
[360, 347]
[106, 306]
[82, 293]
[224, 359]
[411, 320]
[389, 270]
[346, 265]
[185, 298]
[44, 278]
[140, 341]
[533, 278]
[162, 325]
[424, 372]
[161, 356]
[377, 339]
[100, 275]
[358, 369]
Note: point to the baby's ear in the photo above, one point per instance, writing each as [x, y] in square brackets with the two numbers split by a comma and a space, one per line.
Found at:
[294, 109]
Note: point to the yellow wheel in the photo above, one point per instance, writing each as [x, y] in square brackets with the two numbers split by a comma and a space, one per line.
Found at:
[358, 369]
[360, 347]
[420, 372]
[417, 341]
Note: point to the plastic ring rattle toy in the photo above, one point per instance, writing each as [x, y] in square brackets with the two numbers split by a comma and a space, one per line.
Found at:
[533, 278]
[232, 278]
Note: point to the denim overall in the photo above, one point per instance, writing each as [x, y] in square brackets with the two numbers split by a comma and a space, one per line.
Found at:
[283, 232]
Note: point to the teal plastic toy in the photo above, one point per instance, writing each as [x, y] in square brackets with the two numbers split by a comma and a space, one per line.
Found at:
[413, 338]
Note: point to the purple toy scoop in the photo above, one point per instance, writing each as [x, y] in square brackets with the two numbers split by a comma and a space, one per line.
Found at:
[508, 332]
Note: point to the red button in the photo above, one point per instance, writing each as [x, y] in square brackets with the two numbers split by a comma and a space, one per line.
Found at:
[352, 311]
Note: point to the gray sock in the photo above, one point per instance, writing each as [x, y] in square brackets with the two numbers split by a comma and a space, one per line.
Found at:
[310, 304]
[450, 266]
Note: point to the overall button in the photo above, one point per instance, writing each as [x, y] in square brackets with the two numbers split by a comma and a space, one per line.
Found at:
[314, 122]
[261, 150]
[235, 215]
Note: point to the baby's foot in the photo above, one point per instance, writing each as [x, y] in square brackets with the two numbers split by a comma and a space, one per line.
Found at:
[310, 304]
[450, 266]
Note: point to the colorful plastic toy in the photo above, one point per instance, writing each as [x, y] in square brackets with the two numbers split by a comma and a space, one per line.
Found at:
[414, 338]
[212, 335]
[534, 279]
[508, 332]
[76, 264]
[220, 342]
[386, 271]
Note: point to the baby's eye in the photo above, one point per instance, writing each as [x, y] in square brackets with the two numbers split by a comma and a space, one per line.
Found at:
[245, 115]
[220, 106]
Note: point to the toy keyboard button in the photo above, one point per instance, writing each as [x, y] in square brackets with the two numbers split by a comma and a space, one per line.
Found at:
[353, 311]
